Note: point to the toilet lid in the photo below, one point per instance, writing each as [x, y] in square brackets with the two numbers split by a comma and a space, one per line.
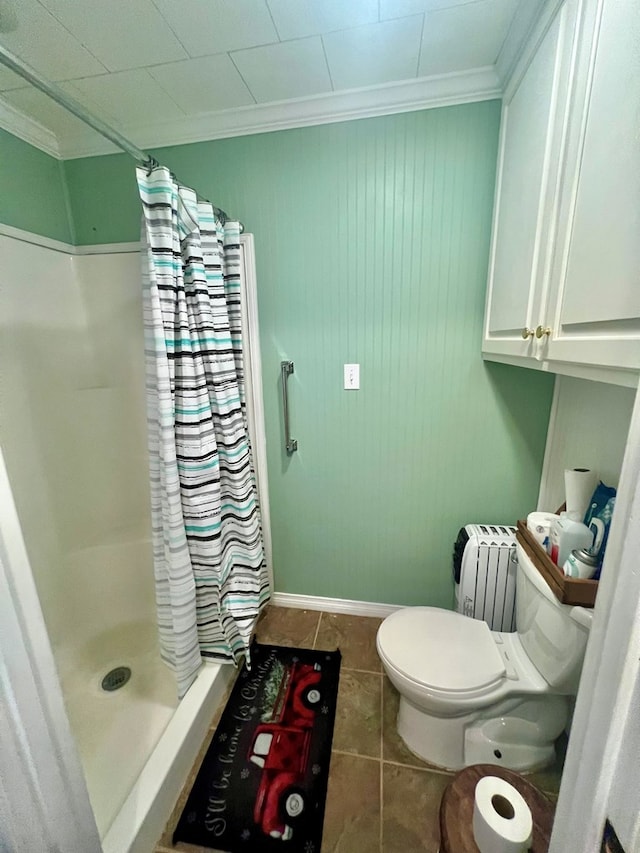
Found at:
[442, 650]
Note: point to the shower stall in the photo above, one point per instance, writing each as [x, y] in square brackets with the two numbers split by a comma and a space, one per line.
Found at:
[73, 437]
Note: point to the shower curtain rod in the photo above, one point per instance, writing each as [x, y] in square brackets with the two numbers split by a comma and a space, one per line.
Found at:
[14, 63]
[60, 96]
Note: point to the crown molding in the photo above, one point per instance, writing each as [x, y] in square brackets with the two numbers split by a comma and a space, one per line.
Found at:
[28, 129]
[528, 19]
[478, 84]
[443, 90]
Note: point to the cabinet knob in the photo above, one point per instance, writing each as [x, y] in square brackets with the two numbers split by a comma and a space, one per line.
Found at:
[542, 332]
[527, 333]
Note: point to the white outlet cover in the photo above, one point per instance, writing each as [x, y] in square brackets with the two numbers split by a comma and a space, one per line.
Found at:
[351, 377]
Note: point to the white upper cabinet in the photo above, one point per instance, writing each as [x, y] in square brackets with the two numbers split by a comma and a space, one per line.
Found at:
[565, 259]
[526, 165]
[595, 316]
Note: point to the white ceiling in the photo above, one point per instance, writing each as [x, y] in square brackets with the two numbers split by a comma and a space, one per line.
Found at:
[144, 63]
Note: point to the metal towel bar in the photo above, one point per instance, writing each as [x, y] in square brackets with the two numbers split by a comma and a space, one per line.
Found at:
[286, 369]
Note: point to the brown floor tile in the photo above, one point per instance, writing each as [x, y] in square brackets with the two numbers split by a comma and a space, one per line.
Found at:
[411, 804]
[358, 722]
[393, 747]
[355, 636]
[548, 779]
[352, 816]
[287, 626]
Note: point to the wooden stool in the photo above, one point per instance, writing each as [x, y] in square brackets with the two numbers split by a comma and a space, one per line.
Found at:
[456, 809]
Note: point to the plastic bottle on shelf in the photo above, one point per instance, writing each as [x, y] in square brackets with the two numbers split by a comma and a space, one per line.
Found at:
[568, 534]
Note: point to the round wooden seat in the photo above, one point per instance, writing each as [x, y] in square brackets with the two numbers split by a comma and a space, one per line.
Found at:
[456, 809]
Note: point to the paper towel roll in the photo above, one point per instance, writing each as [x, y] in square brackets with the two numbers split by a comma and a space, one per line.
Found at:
[579, 484]
[502, 821]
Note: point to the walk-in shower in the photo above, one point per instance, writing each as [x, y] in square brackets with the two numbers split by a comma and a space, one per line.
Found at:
[74, 439]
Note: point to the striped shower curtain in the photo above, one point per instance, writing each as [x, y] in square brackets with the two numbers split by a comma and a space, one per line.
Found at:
[211, 577]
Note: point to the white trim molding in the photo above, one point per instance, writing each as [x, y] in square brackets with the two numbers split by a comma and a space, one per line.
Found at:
[67, 248]
[528, 16]
[347, 606]
[36, 239]
[28, 129]
[611, 375]
[478, 84]
[107, 249]
[253, 390]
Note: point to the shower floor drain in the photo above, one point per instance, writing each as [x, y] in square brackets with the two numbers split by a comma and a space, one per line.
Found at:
[116, 678]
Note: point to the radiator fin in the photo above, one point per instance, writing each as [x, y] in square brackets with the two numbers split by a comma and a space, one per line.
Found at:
[487, 575]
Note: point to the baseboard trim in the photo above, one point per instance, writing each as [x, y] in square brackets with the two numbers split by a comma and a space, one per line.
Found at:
[348, 606]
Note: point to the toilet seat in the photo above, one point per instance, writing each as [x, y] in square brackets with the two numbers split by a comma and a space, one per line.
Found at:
[446, 653]
[469, 695]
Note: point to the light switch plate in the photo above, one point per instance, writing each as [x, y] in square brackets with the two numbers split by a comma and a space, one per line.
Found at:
[351, 377]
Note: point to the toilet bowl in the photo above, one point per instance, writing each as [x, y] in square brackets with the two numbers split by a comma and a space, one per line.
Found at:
[469, 695]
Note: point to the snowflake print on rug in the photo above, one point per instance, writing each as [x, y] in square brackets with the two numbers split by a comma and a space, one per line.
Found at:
[263, 783]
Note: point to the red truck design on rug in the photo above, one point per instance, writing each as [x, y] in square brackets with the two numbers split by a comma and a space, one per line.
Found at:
[280, 747]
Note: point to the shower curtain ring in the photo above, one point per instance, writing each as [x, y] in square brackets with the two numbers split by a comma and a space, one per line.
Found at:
[150, 164]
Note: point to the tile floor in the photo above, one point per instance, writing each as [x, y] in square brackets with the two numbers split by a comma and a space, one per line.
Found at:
[381, 798]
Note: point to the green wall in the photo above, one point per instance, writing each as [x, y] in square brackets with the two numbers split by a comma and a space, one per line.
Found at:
[32, 190]
[372, 242]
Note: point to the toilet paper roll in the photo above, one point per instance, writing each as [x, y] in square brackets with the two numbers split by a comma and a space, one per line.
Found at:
[579, 484]
[502, 821]
[539, 523]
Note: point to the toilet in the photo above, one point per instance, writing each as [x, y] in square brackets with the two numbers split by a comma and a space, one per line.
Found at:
[469, 695]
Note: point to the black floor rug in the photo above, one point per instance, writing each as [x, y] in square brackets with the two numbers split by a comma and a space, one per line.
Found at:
[263, 783]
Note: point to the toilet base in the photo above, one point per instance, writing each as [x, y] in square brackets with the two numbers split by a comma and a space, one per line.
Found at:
[518, 734]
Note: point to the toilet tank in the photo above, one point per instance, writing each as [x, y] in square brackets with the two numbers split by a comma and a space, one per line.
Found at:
[554, 635]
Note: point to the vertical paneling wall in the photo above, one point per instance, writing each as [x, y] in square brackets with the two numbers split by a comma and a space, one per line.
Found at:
[372, 241]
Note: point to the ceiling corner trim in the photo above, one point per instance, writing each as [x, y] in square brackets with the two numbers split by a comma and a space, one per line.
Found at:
[477, 84]
[406, 96]
[28, 129]
[527, 20]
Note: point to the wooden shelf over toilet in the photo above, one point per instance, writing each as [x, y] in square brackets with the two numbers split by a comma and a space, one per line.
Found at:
[567, 590]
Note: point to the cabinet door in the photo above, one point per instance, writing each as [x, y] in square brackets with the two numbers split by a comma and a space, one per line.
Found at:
[595, 313]
[526, 172]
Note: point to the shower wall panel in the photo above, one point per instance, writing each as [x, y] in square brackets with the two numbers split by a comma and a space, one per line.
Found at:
[72, 427]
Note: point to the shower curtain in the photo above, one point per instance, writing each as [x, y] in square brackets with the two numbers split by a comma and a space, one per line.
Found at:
[211, 577]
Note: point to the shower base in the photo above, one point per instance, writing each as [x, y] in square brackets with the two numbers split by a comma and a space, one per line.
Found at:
[116, 731]
[136, 743]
